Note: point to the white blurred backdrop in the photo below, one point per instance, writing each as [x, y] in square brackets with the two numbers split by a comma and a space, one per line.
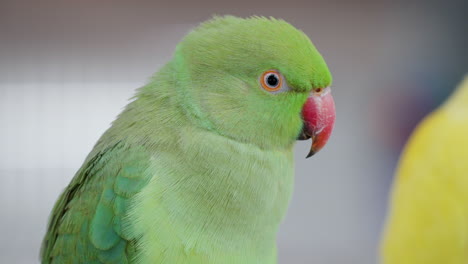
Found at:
[67, 69]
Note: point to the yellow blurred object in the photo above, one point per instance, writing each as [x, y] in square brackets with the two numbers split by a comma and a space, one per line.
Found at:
[428, 219]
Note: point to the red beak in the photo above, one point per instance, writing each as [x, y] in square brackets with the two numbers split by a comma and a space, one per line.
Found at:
[318, 115]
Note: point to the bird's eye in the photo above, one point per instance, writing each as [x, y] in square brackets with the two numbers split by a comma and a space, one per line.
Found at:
[271, 81]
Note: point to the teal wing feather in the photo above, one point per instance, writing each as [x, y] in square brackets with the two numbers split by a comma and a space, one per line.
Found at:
[87, 223]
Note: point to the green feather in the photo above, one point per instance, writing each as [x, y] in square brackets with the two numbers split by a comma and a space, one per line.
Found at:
[102, 233]
[115, 255]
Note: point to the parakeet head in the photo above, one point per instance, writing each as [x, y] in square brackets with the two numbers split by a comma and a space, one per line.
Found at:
[256, 80]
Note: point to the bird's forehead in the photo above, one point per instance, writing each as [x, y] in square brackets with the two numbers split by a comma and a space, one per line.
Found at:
[253, 45]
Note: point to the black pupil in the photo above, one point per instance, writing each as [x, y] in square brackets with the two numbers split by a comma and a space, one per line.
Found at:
[272, 80]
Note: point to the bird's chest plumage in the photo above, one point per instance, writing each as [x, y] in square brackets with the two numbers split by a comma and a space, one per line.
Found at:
[217, 207]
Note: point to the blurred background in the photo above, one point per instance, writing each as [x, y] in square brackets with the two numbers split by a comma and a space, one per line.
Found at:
[67, 69]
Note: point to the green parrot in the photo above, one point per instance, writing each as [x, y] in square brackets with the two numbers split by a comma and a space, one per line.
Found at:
[198, 168]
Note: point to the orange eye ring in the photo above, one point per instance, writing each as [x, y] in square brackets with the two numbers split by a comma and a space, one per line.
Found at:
[271, 81]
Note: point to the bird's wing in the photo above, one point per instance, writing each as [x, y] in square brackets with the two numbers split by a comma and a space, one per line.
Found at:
[86, 224]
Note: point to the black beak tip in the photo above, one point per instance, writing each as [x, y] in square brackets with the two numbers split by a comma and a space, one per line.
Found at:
[311, 153]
